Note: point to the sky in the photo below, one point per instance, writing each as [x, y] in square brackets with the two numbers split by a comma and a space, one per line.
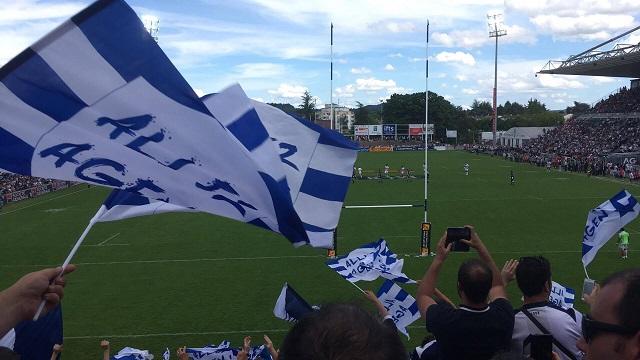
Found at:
[278, 49]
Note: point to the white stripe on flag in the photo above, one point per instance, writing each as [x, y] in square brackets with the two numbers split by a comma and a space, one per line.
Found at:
[79, 65]
[14, 108]
[324, 159]
[318, 212]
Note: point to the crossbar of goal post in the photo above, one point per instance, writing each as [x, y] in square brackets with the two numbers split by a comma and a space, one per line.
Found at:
[425, 233]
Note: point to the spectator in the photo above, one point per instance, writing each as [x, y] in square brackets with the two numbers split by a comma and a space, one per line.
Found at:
[538, 315]
[341, 331]
[483, 323]
[182, 353]
[272, 350]
[612, 330]
[21, 301]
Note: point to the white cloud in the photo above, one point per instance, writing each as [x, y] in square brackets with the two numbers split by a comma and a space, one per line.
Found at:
[587, 27]
[373, 84]
[458, 56]
[389, 67]
[470, 91]
[448, 97]
[360, 70]
[345, 91]
[417, 59]
[470, 39]
[461, 77]
[259, 70]
[559, 82]
[289, 91]
[396, 55]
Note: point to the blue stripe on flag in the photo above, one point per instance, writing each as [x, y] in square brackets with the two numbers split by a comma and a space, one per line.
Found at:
[313, 228]
[401, 295]
[116, 32]
[249, 130]
[414, 308]
[16, 155]
[259, 223]
[289, 222]
[327, 137]
[324, 185]
[119, 197]
[37, 85]
[386, 286]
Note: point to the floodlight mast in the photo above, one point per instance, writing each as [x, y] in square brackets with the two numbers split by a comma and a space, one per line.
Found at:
[331, 96]
[495, 31]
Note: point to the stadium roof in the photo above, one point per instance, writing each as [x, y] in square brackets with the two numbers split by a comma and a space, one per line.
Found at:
[621, 61]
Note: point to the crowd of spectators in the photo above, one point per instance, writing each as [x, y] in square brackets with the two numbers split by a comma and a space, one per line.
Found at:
[624, 101]
[15, 187]
[581, 145]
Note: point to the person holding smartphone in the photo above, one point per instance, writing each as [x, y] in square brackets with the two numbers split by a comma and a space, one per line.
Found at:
[482, 325]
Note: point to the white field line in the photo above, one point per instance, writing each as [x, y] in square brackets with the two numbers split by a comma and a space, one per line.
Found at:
[378, 206]
[42, 202]
[109, 238]
[486, 199]
[105, 245]
[164, 261]
[269, 331]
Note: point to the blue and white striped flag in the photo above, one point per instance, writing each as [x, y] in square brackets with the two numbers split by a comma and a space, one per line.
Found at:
[562, 295]
[166, 355]
[605, 221]
[129, 353]
[225, 352]
[401, 306]
[310, 164]
[290, 306]
[97, 101]
[369, 262]
[317, 162]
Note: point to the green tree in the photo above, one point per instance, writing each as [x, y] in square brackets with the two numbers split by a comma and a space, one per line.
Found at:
[534, 106]
[288, 108]
[361, 114]
[307, 107]
[578, 108]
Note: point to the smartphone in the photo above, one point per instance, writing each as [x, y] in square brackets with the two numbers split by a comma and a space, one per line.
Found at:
[541, 347]
[455, 234]
[587, 287]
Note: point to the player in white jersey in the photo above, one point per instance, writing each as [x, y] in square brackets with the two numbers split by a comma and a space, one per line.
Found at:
[386, 170]
[360, 172]
[466, 168]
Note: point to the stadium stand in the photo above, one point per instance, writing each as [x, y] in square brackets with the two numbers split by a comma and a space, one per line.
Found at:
[18, 187]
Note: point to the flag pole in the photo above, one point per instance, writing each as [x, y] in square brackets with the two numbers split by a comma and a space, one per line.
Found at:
[357, 287]
[426, 125]
[67, 261]
[585, 272]
[331, 96]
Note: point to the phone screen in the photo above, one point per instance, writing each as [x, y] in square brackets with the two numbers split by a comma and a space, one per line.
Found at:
[587, 287]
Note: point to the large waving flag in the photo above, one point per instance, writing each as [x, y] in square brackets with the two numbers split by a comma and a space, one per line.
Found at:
[401, 306]
[311, 164]
[606, 220]
[97, 101]
[317, 162]
[290, 306]
[369, 262]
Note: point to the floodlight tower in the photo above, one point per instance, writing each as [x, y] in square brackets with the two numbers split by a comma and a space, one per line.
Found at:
[496, 30]
[152, 25]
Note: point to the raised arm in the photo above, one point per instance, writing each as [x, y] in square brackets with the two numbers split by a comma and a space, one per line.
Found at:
[426, 289]
[497, 285]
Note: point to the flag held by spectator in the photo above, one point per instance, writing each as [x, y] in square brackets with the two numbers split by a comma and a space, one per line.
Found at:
[316, 162]
[401, 306]
[290, 306]
[97, 101]
[166, 355]
[308, 153]
[369, 262]
[224, 351]
[129, 353]
[606, 220]
[562, 295]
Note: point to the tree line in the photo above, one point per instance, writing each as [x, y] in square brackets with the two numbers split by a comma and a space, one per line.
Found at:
[410, 109]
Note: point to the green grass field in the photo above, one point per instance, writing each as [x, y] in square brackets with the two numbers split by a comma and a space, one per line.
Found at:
[194, 279]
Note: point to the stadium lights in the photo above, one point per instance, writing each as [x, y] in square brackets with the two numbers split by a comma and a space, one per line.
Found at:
[152, 25]
[496, 30]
